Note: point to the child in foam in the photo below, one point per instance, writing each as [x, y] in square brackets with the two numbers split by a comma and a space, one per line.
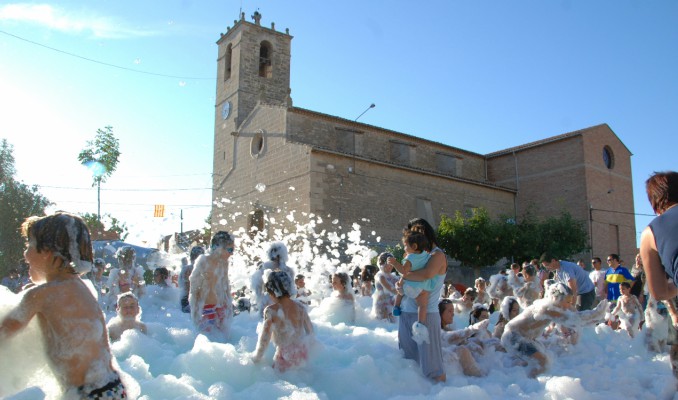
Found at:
[127, 277]
[629, 310]
[384, 289]
[286, 323]
[481, 292]
[277, 259]
[210, 297]
[129, 316]
[59, 248]
[520, 334]
[303, 293]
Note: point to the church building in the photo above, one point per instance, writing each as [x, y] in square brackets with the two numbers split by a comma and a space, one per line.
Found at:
[272, 158]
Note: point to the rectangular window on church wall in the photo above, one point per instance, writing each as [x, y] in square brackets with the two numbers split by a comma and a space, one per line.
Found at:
[400, 153]
[425, 211]
[447, 164]
[345, 141]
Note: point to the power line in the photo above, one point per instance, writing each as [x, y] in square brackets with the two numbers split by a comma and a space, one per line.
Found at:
[104, 63]
[623, 212]
[122, 190]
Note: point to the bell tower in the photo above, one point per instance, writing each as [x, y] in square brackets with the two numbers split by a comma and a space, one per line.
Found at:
[253, 67]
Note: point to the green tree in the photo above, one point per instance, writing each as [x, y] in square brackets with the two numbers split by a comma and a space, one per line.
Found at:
[476, 240]
[97, 227]
[562, 236]
[18, 201]
[101, 156]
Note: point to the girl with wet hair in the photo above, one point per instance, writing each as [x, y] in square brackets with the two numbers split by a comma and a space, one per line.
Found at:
[286, 323]
[510, 308]
[277, 260]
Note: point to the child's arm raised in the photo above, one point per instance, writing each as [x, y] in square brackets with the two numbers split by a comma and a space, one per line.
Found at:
[21, 315]
[401, 268]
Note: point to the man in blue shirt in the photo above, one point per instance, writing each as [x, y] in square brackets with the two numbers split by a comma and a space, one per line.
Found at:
[573, 276]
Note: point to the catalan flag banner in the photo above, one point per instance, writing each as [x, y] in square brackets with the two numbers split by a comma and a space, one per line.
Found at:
[159, 211]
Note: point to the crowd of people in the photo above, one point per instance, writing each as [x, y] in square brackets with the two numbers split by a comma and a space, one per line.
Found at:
[542, 304]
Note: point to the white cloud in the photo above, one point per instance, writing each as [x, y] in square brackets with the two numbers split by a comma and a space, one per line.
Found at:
[70, 22]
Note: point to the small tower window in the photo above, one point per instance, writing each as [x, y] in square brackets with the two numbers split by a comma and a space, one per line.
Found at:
[265, 55]
[227, 62]
[608, 157]
[257, 144]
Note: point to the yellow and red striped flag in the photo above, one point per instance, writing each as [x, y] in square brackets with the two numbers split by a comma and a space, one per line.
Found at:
[159, 211]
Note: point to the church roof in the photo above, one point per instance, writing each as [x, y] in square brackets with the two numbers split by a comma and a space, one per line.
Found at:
[373, 127]
[551, 139]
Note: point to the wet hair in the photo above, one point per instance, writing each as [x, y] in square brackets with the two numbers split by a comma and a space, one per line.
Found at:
[418, 239]
[474, 315]
[366, 275]
[221, 239]
[196, 251]
[383, 258]
[471, 292]
[558, 291]
[277, 251]
[529, 270]
[162, 271]
[299, 276]
[442, 305]
[126, 254]
[422, 226]
[277, 283]
[343, 277]
[662, 190]
[126, 295]
[66, 235]
[506, 306]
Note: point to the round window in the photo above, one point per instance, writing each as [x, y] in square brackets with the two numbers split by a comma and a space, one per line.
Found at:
[257, 144]
[608, 157]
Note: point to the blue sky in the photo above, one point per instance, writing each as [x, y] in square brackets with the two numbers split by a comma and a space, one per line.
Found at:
[482, 76]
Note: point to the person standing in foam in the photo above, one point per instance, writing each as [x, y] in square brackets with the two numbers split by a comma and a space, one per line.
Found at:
[184, 276]
[416, 257]
[210, 297]
[428, 355]
[127, 277]
[285, 322]
[277, 259]
[59, 248]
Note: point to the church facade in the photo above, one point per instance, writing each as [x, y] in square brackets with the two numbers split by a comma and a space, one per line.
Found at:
[272, 159]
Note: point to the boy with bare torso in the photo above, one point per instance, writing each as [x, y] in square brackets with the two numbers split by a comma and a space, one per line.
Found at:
[128, 317]
[59, 248]
[210, 291]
